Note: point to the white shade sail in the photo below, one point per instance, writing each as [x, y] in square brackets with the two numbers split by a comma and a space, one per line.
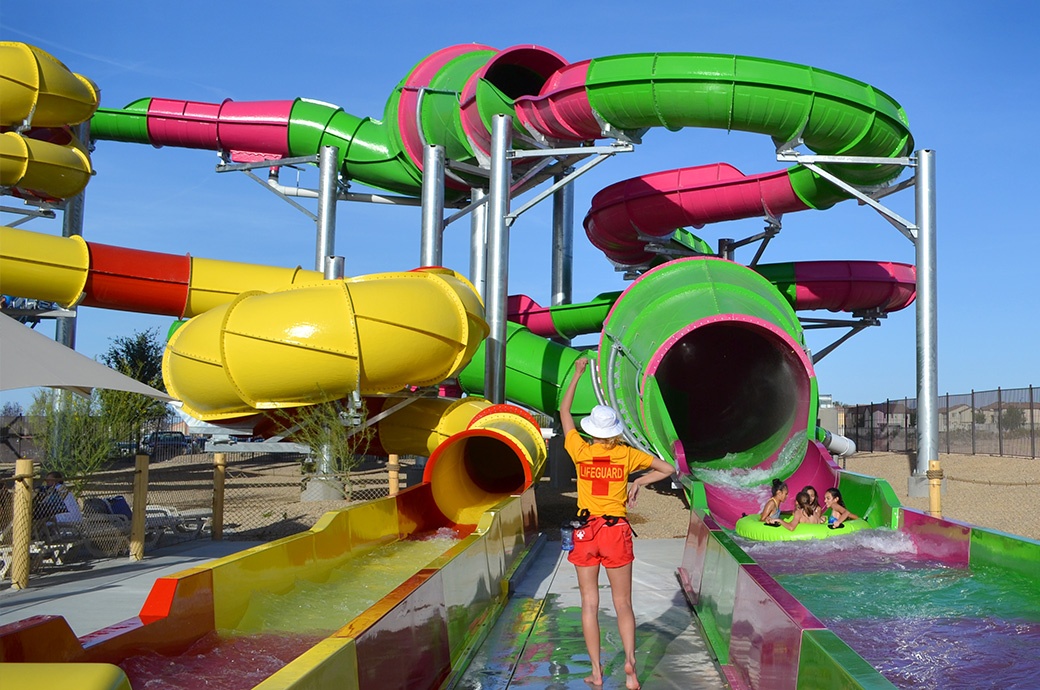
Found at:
[31, 360]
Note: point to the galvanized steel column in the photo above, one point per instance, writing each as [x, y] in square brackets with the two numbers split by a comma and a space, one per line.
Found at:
[562, 244]
[927, 330]
[72, 224]
[478, 242]
[497, 259]
[430, 252]
[328, 192]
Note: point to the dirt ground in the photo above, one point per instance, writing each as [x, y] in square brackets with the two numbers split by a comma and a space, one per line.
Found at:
[985, 490]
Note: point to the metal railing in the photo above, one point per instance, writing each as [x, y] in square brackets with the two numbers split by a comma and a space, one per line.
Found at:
[1005, 422]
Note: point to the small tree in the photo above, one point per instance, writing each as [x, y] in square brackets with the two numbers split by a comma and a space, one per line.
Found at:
[335, 428]
[138, 356]
[1012, 419]
[72, 436]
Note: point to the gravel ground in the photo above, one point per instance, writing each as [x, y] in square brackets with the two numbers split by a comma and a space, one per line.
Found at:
[986, 490]
[989, 491]
[660, 511]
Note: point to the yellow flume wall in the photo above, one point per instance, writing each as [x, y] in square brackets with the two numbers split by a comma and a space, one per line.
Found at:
[319, 342]
[45, 267]
[486, 558]
[79, 676]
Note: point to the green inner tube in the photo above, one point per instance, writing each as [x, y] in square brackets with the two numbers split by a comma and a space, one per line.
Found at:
[750, 527]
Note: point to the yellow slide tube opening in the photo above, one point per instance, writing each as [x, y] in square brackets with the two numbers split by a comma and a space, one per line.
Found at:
[501, 454]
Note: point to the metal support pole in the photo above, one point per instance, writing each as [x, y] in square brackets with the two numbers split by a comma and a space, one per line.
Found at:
[726, 248]
[431, 244]
[562, 244]
[324, 486]
[927, 330]
[478, 242]
[561, 469]
[328, 189]
[333, 267]
[498, 259]
[72, 225]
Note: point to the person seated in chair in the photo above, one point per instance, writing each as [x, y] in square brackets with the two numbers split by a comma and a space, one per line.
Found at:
[56, 501]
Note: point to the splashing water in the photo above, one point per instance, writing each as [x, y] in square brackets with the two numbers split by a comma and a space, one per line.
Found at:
[278, 627]
[920, 623]
[786, 462]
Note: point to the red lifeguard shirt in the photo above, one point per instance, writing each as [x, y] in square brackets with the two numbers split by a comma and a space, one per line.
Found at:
[603, 473]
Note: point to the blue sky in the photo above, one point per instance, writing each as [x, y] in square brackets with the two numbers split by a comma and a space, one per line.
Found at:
[965, 73]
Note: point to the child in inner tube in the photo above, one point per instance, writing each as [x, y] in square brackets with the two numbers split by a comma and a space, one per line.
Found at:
[803, 512]
[771, 509]
[814, 502]
[839, 513]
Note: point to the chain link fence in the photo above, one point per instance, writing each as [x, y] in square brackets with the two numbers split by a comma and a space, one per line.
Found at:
[268, 490]
[1004, 422]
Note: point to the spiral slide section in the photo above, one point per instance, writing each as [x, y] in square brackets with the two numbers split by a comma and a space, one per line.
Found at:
[829, 113]
[845, 286]
[255, 353]
[41, 97]
[383, 153]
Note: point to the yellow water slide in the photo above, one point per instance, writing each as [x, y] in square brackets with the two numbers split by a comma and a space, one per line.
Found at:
[479, 453]
[374, 334]
[41, 97]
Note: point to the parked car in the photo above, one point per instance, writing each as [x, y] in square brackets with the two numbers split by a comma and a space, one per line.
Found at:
[162, 445]
[122, 450]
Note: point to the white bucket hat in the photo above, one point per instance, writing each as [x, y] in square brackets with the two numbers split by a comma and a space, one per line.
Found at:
[602, 422]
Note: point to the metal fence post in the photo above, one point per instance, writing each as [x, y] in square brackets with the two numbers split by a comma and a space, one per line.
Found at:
[973, 421]
[1032, 424]
[870, 426]
[1000, 424]
[906, 425]
[947, 422]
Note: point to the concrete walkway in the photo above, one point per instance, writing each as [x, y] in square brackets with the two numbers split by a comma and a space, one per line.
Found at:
[94, 595]
[538, 643]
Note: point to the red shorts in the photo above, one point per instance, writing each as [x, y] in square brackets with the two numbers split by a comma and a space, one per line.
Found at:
[598, 543]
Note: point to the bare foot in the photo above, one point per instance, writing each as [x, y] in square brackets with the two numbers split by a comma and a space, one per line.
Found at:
[631, 681]
[594, 681]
